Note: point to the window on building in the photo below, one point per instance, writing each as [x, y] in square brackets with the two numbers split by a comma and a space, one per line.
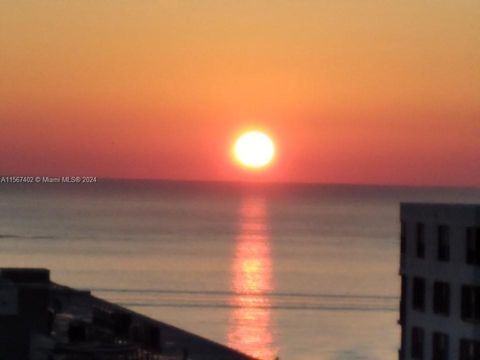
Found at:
[471, 303]
[473, 245]
[417, 343]
[418, 296]
[440, 346]
[403, 238]
[469, 349]
[420, 240]
[441, 298]
[403, 298]
[443, 243]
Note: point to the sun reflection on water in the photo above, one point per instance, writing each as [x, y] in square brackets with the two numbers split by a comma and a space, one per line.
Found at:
[250, 324]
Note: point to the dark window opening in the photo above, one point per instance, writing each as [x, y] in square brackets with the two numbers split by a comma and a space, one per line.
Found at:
[403, 238]
[417, 343]
[443, 243]
[469, 349]
[473, 245]
[441, 298]
[471, 303]
[418, 294]
[440, 346]
[403, 302]
[420, 240]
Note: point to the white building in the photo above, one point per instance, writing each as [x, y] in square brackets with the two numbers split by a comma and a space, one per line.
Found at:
[440, 272]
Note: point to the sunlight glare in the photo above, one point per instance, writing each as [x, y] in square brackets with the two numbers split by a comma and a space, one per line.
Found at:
[254, 149]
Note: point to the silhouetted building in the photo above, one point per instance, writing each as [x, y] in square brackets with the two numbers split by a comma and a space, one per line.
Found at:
[440, 282]
[41, 320]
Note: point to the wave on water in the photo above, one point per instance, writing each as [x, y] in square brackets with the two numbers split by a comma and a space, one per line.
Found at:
[9, 236]
[274, 300]
[34, 237]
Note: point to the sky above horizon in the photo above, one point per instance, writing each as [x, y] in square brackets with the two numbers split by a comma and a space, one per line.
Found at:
[384, 92]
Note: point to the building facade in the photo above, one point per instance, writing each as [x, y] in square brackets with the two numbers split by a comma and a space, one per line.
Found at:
[440, 282]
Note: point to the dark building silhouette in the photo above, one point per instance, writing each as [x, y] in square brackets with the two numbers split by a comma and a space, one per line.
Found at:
[41, 320]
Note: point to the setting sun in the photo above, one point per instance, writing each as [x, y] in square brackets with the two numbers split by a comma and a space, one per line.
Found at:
[254, 149]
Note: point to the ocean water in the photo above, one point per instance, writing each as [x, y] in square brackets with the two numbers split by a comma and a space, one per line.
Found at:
[297, 271]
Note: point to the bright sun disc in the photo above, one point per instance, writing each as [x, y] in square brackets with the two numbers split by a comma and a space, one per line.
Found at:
[254, 149]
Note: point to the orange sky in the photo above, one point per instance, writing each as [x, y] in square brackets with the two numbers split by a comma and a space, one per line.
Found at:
[352, 91]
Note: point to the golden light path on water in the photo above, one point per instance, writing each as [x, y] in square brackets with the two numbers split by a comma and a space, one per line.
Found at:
[250, 324]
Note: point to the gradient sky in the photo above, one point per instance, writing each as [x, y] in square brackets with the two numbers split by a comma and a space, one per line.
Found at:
[352, 91]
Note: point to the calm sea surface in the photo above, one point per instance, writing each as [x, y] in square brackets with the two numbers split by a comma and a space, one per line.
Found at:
[303, 272]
